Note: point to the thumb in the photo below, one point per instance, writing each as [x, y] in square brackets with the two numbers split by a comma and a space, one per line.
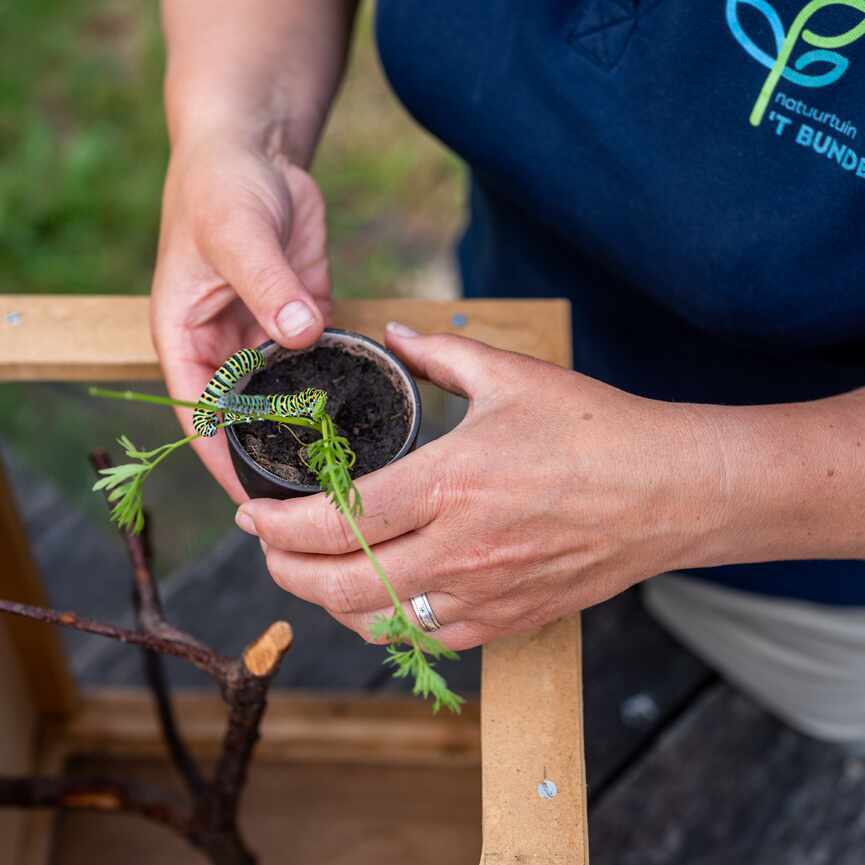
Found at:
[255, 265]
[455, 363]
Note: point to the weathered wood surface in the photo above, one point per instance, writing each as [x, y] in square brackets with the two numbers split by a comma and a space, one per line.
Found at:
[729, 785]
[637, 679]
[96, 338]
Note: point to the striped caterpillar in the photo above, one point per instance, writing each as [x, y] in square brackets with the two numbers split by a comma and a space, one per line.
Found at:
[244, 407]
[241, 363]
[305, 403]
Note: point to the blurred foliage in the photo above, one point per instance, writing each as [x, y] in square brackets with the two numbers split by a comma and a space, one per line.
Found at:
[394, 194]
[83, 146]
[84, 151]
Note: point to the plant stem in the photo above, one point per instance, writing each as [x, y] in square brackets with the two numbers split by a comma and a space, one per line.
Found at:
[327, 432]
[170, 449]
[136, 396]
[355, 529]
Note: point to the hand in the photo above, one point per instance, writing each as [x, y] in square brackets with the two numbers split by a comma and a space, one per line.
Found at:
[556, 492]
[242, 257]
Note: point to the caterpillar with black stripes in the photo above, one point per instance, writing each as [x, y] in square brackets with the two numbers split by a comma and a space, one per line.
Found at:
[239, 408]
[305, 403]
[241, 363]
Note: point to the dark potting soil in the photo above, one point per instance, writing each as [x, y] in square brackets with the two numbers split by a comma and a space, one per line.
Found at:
[364, 405]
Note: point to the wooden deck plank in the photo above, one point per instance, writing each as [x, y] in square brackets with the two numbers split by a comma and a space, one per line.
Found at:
[728, 785]
[636, 678]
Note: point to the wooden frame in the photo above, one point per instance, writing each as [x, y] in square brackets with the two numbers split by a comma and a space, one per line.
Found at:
[531, 704]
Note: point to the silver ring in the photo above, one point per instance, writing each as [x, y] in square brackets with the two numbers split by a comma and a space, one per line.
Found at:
[424, 612]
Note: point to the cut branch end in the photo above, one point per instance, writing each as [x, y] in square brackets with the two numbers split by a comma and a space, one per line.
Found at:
[264, 655]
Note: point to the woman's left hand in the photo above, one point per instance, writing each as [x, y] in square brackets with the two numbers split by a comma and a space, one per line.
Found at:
[556, 492]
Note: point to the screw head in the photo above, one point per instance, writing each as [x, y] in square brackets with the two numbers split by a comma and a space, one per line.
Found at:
[547, 789]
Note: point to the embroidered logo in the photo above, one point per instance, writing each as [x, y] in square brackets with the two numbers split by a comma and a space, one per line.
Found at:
[822, 48]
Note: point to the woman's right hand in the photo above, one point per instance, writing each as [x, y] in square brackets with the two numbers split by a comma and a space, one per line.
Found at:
[242, 258]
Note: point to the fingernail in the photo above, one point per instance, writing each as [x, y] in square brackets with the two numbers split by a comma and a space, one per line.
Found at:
[398, 329]
[294, 318]
[244, 521]
[263, 545]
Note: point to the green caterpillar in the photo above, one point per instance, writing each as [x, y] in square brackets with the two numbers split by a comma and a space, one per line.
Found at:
[241, 363]
[306, 403]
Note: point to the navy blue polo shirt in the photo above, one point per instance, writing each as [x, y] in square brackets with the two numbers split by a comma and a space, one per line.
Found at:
[690, 175]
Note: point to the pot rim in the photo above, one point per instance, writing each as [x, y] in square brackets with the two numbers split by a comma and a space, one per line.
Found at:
[345, 337]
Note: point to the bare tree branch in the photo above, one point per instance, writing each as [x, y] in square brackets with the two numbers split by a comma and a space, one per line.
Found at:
[210, 823]
[94, 794]
[246, 696]
[187, 766]
[150, 618]
[202, 657]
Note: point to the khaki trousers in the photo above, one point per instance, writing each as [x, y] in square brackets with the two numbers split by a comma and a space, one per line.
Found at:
[804, 662]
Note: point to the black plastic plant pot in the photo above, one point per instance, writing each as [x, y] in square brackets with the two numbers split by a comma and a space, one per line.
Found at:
[260, 482]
